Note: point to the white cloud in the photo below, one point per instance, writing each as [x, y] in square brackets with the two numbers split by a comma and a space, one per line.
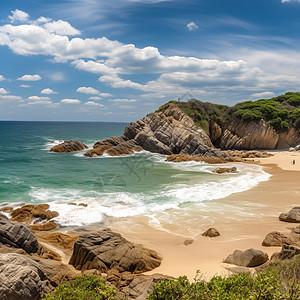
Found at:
[122, 100]
[87, 90]
[105, 94]
[40, 102]
[60, 27]
[26, 86]
[35, 77]
[19, 16]
[70, 101]
[10, 97]
[2, 78]
[192, 26]
[3, 91]
[113, 61]
[283, 1]
[38, 98]
[263, 95]
[48, 91]
[92, 103]
[95, 98]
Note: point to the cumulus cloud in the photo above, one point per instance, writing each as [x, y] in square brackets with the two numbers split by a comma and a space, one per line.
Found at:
[35, 77]
[87, 90]
[3, 91]
[41, 102]
[92, 103]
[192, 26]
[26, 86]
[70, 101]
[48, 91]
[95, 98]
[60, 27]
[10, 97]
[2, 78]
[38, 98]
[113, 61]
[263, 95]
[18, 16]
[283, 1]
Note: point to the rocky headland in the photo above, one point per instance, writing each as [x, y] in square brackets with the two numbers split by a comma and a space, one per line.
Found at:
[198, 128]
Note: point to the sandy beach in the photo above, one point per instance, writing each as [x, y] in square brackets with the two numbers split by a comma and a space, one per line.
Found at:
[243, 219]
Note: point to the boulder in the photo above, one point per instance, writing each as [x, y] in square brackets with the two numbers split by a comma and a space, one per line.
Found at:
[141, 286]
[276, 239]
[17, 235]
[287, 252]
[248, 258]
[295, 236]
[22, 278]
[226, 170]
[211, 232]
[69, 146]
[106, 250]
[293, 216]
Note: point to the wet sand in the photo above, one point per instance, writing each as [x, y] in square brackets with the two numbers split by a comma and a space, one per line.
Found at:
[243, 220]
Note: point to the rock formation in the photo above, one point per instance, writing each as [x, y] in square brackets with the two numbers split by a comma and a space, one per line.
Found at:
[22, 278]
[293, 216]
[276, 239]
[107, 250]
[37, 214]
[211, 232]
[287, 252]
[248, 258]
[166, 132]
[17, 235]
[226, 170]
[69, 146]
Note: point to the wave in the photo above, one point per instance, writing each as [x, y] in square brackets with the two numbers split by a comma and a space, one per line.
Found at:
[120, 204]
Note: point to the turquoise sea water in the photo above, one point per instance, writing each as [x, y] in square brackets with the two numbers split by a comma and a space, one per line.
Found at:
[138, 184]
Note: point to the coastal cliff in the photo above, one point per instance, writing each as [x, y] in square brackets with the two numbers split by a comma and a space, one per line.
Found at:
[202, 128]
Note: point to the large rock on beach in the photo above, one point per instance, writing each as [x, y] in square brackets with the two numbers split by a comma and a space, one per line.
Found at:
[106, 250]
[17, 235]
[293, 216]
[211, 232]
[169, 131]
[69, 146]
[22, 278]
[248, 258]
[276, 239]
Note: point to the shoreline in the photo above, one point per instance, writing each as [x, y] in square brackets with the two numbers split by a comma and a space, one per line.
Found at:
[268, 199]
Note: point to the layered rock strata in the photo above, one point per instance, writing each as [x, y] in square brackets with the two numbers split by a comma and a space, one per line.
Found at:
[167, 132]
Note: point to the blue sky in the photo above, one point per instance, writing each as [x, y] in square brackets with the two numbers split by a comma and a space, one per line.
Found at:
[117, 60]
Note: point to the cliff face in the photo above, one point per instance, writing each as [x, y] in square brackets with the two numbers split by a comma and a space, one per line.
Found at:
[167, 132]
[172, 130]
[240, 135]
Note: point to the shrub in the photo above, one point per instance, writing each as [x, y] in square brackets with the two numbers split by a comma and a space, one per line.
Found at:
[280, 280]
[87, 287]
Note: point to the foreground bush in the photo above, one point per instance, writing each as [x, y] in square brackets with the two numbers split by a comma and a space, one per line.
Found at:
[280, 280]
[87, 287]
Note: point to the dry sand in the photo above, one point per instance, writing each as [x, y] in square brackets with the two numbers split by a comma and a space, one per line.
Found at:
[243, 223]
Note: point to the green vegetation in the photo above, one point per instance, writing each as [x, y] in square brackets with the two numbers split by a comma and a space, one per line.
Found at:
[87, 287]
[280, 112]
[280, 280]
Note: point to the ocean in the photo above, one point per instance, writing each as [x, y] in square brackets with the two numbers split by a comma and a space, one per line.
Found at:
[141, 184]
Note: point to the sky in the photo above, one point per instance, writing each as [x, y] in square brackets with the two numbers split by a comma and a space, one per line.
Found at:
[117, 60]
